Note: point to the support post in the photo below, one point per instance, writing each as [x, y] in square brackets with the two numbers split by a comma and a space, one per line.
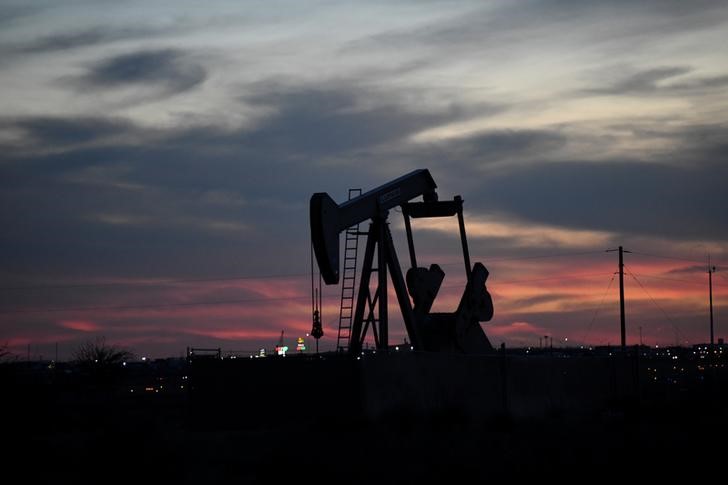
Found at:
[363, 295]
[622, 326]
[382, 286]
[711, 270]
[400, 289]
[410, 241]
[463, 238]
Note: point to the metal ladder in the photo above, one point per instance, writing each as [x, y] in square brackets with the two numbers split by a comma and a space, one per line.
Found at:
[348, 282]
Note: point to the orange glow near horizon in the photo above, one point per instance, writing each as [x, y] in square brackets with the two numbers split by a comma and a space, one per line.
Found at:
[532, 298]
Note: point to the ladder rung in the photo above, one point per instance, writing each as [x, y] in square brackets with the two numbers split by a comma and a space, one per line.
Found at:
[351, 252]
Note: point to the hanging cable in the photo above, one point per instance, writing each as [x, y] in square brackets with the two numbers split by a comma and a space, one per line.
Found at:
[317, 330]
[597, 310]
[678, 333]
[313, 296]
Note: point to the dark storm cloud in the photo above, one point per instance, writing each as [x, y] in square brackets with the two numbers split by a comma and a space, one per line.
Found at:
[169, 68]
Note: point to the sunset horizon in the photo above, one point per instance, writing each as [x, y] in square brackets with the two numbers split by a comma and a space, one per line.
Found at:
[157, 164]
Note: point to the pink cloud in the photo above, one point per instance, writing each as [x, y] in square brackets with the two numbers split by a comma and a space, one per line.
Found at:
[80, 325]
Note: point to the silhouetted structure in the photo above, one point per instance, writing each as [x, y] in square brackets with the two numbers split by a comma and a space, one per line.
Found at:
[457, 332]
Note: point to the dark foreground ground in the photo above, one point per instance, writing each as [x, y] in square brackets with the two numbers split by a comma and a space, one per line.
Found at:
[93, 429]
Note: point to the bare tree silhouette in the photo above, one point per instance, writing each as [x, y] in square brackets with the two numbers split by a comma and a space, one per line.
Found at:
[4, 352]
[97, 354]
[100, 364]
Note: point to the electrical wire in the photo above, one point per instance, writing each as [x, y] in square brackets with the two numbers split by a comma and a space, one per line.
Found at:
[672, 322]
[662, 256]
[643, 275]
[587, 333]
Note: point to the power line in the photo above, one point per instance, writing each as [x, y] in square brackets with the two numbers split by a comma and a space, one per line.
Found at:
[598, 309]
[572, 276]
[662, 256]
[560, 255]
[672, 322]
[521, 258]
[672, 279]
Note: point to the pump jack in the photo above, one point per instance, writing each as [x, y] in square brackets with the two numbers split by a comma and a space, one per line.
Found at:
[458, 332]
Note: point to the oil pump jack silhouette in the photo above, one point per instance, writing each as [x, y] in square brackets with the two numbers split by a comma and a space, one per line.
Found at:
[456, 332]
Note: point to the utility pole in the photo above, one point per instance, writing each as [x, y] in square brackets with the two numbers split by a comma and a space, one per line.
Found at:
[711, 270]
[622, 327]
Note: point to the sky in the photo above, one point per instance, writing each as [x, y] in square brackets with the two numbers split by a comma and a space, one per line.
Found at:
[157, 159]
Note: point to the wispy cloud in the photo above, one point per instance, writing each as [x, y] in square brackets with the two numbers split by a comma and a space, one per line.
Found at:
[169, 69]
[523, 234]
[81, 39]
[661, 80]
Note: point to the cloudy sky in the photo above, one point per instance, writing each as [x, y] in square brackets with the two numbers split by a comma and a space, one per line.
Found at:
[157, 158]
